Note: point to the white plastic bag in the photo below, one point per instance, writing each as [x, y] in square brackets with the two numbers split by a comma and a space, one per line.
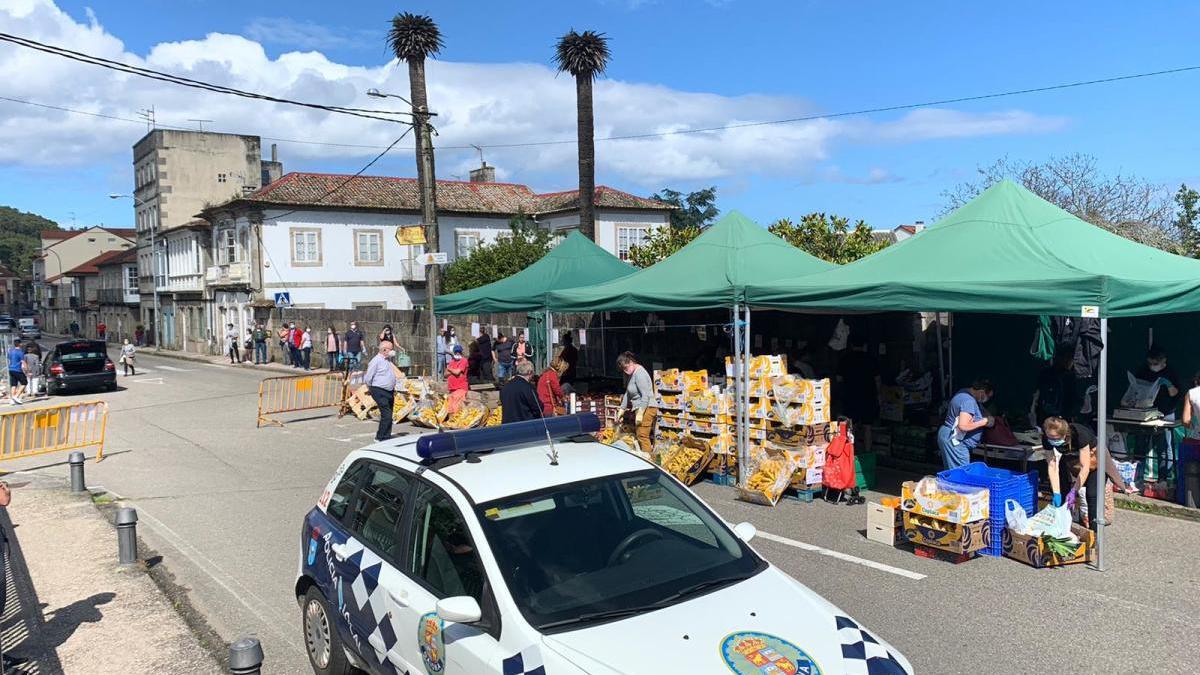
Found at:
[1052, 520]
[1014, 515]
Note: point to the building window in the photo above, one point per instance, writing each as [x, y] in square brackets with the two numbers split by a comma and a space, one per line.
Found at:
[629, 236]
[228, 240]
[131, 280]
[465, 243]
[368, 247]
[221, 178]
[306, 247]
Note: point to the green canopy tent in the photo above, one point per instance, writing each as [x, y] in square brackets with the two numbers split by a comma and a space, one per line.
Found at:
[1007, 251]
[575, 261]
[712, 271]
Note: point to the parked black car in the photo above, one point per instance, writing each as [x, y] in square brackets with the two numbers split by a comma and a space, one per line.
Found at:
[76, 365]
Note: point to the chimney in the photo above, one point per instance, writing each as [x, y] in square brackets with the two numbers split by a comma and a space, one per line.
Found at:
[918, 225]
[484, 174]
[274, 152]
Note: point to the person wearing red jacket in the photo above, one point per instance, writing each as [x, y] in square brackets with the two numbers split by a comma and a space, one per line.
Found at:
[549, 388]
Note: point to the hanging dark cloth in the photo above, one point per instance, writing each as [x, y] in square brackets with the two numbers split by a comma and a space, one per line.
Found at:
[1082, 338]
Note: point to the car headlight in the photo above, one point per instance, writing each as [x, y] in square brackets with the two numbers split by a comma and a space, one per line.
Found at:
[862, 648]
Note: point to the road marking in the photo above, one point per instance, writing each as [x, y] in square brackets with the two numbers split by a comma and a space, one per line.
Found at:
[351, 438]
[841, 556]
[173, 369]
[147, 380]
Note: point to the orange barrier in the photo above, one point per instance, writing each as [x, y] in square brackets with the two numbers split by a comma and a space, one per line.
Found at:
[298, 392]
[67, 426]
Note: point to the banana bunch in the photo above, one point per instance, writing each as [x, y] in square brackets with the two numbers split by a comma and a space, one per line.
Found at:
[429, 413]
[469, 415]
[681, 461]
[402, 408]
[494, 417]
[766, 477]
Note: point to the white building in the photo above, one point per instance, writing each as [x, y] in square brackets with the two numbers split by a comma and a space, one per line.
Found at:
[330, 244]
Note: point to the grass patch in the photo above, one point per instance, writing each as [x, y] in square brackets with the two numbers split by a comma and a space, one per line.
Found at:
[102, 499]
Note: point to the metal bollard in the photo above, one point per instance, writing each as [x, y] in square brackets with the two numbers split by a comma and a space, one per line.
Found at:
[245, 657]
[75, 460]
[127, 549]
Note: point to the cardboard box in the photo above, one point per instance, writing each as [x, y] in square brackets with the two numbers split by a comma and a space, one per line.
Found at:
[883, 524]
[771, 365]
[1031, 551]
[945, 535]
[955, 507]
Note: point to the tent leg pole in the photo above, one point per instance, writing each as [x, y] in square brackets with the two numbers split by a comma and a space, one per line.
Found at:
[549, 337]
[943, 381]
[1101, 443]
[950, 344]
[737, 391]
[745, 389]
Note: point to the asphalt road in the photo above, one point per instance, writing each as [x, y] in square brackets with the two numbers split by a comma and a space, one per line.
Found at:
[222, 502]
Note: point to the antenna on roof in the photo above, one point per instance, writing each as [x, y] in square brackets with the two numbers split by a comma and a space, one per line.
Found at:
[148, 115]
[200, 123]
[481, 162]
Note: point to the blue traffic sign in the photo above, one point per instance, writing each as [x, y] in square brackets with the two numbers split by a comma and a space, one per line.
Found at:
[283, 299]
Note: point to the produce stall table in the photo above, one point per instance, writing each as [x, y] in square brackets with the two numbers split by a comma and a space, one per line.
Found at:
[1148, 430]
[1023, 453]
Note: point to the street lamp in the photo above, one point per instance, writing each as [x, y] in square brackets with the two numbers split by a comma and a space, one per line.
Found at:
[375, 93]
[154, 271]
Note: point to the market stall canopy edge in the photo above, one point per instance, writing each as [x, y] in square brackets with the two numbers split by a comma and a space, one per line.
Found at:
[711, 271]
[1007, 251]
[575, 261]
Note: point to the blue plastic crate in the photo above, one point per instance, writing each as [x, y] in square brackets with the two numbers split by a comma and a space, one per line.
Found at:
[1002, 485]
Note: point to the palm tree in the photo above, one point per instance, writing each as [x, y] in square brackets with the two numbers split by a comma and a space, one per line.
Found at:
[584, 55]
[413, 38]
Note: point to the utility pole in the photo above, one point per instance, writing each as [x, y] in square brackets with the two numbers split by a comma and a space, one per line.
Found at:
[428, 182]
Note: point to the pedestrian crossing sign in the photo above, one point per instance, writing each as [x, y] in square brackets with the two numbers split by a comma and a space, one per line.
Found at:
[283, 300]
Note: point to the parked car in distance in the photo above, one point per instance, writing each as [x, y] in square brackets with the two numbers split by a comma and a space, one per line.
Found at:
[30, 327]
[6, 323]
[77, 365]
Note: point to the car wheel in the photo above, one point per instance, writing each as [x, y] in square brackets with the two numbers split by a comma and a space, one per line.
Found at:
[112, 386]
[321, 640]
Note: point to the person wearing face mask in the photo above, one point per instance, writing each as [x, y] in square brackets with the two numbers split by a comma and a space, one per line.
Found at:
[381, 383]
[1073, 464]
[638, 399]
[964, 424]
[1156, 369]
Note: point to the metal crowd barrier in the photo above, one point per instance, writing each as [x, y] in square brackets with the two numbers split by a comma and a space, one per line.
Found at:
[67, 426]
[294, 393]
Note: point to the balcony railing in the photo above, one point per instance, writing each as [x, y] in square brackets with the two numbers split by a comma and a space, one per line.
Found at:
[181, 283]
[117, 296]
[232, 274]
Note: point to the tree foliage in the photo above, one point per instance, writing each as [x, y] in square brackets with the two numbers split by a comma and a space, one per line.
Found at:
[493, 262]
[20, 241]
[414, 37]
[1187, 221]
[829, 237]
[1123, 204]
[695, 209]
[662, 243]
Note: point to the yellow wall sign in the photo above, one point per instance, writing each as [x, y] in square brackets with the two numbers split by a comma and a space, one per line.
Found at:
[413, 235]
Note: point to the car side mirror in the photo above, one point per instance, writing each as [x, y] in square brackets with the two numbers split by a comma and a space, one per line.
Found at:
[745, 531]
[459, 609]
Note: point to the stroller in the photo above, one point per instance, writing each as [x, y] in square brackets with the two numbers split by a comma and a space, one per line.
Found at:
[839, 467]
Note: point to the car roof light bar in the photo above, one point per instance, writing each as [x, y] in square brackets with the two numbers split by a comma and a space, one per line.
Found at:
[458, 443]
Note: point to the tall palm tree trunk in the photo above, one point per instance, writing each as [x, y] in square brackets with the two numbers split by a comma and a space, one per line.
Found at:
[587, 156]
[427, 180]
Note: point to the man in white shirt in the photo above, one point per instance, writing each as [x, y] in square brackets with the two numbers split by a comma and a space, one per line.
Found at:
[381, 382]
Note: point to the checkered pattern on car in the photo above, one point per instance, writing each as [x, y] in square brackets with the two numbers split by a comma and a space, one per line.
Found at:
[368, 599]
[526, 662]
[861, 652]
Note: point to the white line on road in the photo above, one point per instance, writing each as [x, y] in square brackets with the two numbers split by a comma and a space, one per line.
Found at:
[146, 380]
[841, 556]
[173, 369]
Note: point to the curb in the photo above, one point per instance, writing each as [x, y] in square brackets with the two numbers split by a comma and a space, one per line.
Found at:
[1156, 507]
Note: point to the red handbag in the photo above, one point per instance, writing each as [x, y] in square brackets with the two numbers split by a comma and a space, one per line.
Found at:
[1000, 433]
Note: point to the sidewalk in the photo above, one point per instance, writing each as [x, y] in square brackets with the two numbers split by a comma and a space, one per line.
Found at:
[71, 608]
[200, 358]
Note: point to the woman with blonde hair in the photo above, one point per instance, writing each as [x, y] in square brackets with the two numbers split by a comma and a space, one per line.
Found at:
[549, 388]
[1072, 464]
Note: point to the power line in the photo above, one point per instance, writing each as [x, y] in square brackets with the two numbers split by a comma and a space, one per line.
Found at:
[360, 112]
[189, 82]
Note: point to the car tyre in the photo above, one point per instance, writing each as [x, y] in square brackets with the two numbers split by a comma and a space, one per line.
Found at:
[321, 639]
[112, 386]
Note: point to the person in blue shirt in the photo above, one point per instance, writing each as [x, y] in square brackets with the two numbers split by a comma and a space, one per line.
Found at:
[16, 373]
[964, 424]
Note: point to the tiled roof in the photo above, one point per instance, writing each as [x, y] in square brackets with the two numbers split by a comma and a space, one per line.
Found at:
[60, 235]
[403, 194]
[124, 256]
[93, 266]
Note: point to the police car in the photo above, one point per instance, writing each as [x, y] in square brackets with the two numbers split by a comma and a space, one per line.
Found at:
[532, 549]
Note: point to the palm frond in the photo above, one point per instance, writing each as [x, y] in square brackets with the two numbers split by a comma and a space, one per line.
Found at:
[414, 36]
[582, 54]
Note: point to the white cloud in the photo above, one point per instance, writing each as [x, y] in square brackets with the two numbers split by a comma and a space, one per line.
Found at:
[482, 104]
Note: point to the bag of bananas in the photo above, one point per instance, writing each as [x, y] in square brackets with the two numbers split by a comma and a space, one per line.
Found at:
[469, 415]
[402, 407]
[494, 417]
[429, 413]
[768, 480]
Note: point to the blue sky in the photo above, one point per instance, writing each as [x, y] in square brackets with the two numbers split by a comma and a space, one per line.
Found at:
[675, 65]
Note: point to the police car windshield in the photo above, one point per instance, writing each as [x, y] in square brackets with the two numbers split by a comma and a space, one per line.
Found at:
[609, 547]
